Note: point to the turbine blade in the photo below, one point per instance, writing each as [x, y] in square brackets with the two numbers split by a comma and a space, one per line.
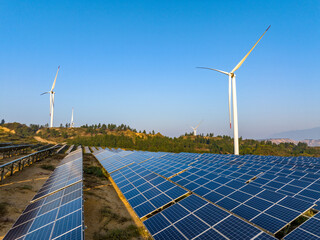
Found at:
[245, 57]
[55, 79]
[215, 70]
[230, 100]
[198, 124]
[44, 93]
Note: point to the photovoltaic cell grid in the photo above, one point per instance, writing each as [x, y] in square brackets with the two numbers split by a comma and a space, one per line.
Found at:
[103, 154]
[270, 210]
[145, 191]
[285, 179]
[301, 185]
[121, 159]
[167, 166]
[195, 218]
[308, 230]
[63, 176]
[56, 214]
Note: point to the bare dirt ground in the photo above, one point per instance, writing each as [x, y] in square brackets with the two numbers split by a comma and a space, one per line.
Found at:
[106, 216]
[39, 139]
[16, 191]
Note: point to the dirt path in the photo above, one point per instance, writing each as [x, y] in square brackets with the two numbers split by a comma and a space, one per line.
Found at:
[16, 191]
[39, 139]
[106, 217]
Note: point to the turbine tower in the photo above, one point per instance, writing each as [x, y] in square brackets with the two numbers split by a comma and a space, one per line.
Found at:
[195, 129]
[51, 92]
[232, 90]
[72, 123]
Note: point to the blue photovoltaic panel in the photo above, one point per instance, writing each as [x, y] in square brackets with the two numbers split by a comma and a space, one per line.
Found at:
[191, 226]
[298, 234]
[309, 229]
[63, 176]
[195, 218]
[235, 228]
[144, 190]
[268, 223]
[211, 234]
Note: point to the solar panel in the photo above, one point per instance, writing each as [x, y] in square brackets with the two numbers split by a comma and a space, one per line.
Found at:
[309, 229]
[195, 218]
[144, 190]
[268, 222]
[63, 176]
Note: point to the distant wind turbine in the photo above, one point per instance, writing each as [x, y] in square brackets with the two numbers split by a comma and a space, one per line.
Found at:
[51, 92]
[72, 123]
[195, 129]
[232, 84]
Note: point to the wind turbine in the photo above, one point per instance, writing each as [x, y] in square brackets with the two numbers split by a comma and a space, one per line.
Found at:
[72, 123]
[232, 90]
[51, 92]
[195, 129]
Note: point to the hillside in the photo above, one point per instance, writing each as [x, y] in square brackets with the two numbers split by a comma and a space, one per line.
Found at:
[123, 136]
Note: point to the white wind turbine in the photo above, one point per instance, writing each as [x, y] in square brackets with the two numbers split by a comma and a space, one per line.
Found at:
[195, 129]
[72, 123]
[51, 92]
[232, 85]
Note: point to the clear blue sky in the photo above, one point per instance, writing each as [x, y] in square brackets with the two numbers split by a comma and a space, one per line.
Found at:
[133, 62]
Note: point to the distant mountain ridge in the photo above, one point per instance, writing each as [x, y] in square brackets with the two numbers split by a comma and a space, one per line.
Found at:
[299, 135]
[310, 142]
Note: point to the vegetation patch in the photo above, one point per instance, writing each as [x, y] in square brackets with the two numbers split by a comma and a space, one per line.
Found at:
[47, 167]
[119, 234]
[26, 187]
[3, 208]
[96, 171]
[109, 215]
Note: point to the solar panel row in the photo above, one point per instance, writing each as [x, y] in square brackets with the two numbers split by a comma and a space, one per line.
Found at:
[56, 212]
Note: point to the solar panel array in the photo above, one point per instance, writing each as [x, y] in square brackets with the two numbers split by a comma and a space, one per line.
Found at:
[56, 211]
[269, 210]
[145, 191]
[265, 191]
[195, 218]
